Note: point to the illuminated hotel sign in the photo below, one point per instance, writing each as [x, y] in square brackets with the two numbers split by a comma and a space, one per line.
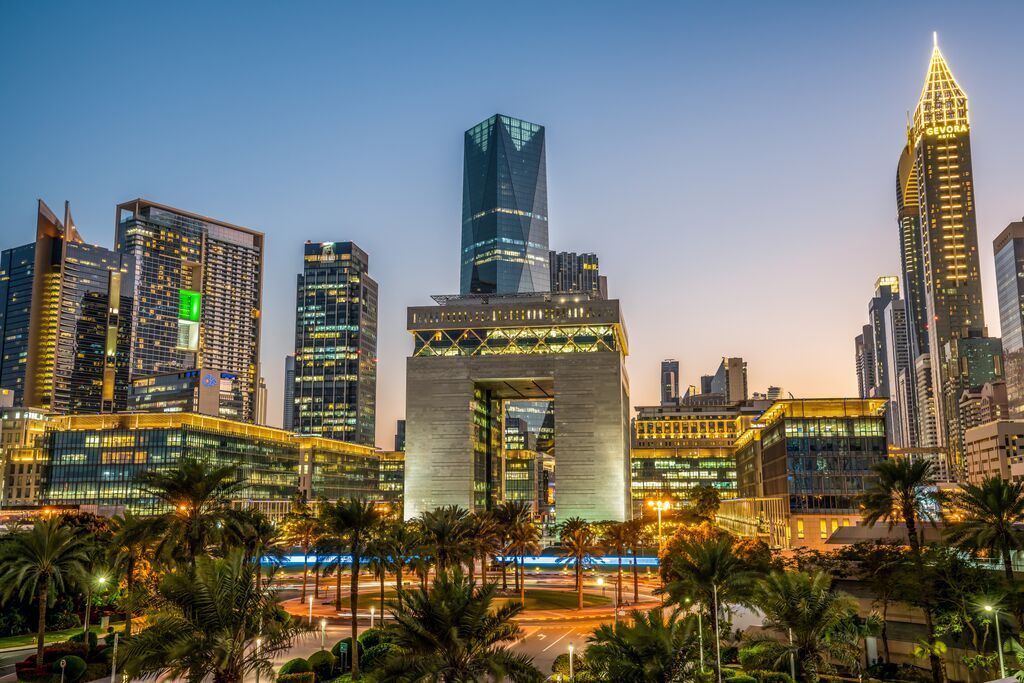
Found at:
[947, 131]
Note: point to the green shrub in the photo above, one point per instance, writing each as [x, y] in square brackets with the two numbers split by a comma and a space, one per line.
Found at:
[87, 637]
[764, 676]
[374, 657]
[62, 620]
[344, 660]
[294, 666]
[755, 657]
[322, 663]
[74, 668]
[742, 678]
[729, 674]
[96, 671]
[561, 664]
[54, 652]
[371, 637]
[13, 623]
[304, 677]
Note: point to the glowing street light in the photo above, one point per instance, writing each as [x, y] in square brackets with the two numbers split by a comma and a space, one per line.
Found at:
[700, 637]
[100, 582]
[372, 611]
[323, 633]
[999, 640]
[570, 663]
[310, 610]
[600, 582]
[659, 505]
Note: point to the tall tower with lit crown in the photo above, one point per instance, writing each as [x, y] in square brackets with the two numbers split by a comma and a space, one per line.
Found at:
[940, 143]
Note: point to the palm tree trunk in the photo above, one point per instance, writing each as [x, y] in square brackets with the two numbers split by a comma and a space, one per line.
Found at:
[618, 585]
[636, 580]
[259, 574]
[354, 602]
[398, 583]
[305, 571]
[579, 583]
[516, 561]
[337, 584]
[885, 631]
[522, 585]
[130, 585]
[934, 661]
[316, 578]
[472, 567]
[504, 570]
[483, 568]
[1008, 566]
[383, 575]
[41, 631]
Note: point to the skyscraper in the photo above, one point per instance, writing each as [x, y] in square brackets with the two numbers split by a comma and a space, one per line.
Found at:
[901, 413]
[504, 209]
[336, 344]
[1009, 257]
[887, 290]
[939, 137]
[198, 293]
[288, 419]
[65, 312]
[572, 272]
[669, 381]
[864, 361]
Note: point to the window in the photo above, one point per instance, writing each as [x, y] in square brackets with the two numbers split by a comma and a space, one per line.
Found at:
[823, 528]
[799, 528]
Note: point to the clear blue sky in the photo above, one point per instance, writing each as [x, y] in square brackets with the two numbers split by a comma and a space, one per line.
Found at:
[732, 164]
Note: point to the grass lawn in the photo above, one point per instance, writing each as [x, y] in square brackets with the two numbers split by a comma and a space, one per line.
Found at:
[550, 598]
[29, 639]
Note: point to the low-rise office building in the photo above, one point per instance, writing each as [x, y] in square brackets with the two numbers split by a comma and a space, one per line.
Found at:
[202, 391]
[816, 457]
[22, 456]
[391, 480]
[94, 461]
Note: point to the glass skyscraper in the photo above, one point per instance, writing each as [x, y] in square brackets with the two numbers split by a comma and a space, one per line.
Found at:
[198, 293]
[504, 209]
[16, 268]
[335, 389]
[1009, 257]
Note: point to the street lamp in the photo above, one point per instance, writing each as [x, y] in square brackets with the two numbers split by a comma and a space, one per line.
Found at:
[600, 582]
[323, 633]
[999, 640]
[310, 610]
[718, 641]
[100, 581]
[700, 637]
[659, 505]
[259, 641]
[372, 610]
[570, 663]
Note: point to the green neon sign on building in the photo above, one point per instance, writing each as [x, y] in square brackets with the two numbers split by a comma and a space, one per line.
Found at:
[189, 305]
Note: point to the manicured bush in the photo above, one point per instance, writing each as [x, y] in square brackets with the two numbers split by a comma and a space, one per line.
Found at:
[764, 676]
[729, 674]
[87, 637]
[344, 660]
[371, 637]
[561, 664]
[374, 657]
[742, 678]
[304, 677]
[61, 620]
[322, 663]
[74, 668]
[295, 666]
[755, 657]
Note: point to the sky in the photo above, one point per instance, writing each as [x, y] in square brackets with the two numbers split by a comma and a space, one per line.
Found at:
[732, 164]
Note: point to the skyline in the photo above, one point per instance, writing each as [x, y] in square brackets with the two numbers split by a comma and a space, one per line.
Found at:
[414, 247]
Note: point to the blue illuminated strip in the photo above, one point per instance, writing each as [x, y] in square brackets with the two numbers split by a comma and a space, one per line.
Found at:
[529, 561]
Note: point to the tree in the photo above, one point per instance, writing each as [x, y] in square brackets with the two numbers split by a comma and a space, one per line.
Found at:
[883, 566]
[820, 621]
[652, 648]
[446, 530]
[129, 554]
[196, 495]
[579, 545]
[256, 535]
[524, 539]
[637, 534]
[906, 491]
[509, 514]
[353, 522]
[403, 543]
[206, 624]
[711, 574]
[988, 517]
[453, 633]
[302, 529]
[41, 563]
[482, 540]
[705, 501]
[615, 540]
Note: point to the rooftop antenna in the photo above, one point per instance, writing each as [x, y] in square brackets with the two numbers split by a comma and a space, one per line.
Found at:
[935, 39]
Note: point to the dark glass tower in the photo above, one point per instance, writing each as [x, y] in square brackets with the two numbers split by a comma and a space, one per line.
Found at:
[335, 391]
[16, 268]
[1009, 257]
[504, 209]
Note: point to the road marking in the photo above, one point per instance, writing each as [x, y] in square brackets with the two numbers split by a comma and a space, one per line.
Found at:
[525, 636]
[540, 636]
[555, 642]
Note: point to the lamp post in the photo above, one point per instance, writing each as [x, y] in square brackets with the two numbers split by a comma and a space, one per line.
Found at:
[658, 505]
[310, 610]
[700, 637]
[999, 640]
[113, 660]
[570, 663]
[372, 611]
[792, 657]
[323, 633]
[259, 641]
[100, 580]
[600, 582]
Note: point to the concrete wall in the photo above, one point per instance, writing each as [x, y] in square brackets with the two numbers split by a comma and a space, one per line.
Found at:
[591, 429]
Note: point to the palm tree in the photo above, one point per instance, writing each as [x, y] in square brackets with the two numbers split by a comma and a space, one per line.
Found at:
[708, 572]
[615, 540]
[453, 633]
[403, 542]
[989, 513]
[509, 514]
[482, 540]
[256, 535]
[446, 530]
[207, 623]
[524, 539]
[302, 529]
[821, 623]
[353, 522]
[654, 647]
[42, 562]
[196, 495]
[637, 535]
[906, 491]
[880, 566]
[579, 546]
[131, 548]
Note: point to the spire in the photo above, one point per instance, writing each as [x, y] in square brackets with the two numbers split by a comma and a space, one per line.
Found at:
[943, 102]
